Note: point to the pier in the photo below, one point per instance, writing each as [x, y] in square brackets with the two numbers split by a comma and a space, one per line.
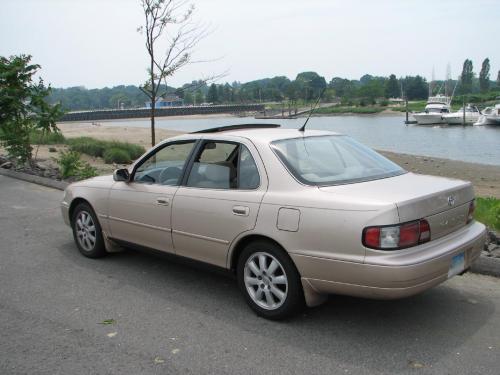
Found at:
[113, 114]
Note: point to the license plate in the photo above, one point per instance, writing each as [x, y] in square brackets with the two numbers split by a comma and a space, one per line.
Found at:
[457, 264]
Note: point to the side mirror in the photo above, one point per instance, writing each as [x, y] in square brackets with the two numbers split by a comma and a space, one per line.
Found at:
[121, 175]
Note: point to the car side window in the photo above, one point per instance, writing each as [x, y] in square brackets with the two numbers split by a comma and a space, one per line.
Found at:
[165, 166]
[215, 166]
[224, 165]
[248, 173]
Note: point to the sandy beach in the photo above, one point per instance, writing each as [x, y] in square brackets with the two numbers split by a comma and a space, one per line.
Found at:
[485, 178]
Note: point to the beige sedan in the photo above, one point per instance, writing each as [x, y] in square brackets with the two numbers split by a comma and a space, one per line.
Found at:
[297, 215]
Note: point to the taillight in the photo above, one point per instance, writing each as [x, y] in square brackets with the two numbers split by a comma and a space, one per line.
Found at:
[394, 237]
[470, 215]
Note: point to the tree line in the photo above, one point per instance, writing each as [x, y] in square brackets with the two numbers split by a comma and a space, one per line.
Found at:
[305, 87]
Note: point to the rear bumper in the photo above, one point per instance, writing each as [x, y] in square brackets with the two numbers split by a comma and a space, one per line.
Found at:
[390, 275]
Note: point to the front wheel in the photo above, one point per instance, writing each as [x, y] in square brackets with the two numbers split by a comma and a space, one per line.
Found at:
[87, 232]
[269, 281]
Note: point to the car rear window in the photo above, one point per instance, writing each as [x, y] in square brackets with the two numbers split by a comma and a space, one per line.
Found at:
[333, 160]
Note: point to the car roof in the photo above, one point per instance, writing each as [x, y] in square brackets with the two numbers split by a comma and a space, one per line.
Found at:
[256, 135]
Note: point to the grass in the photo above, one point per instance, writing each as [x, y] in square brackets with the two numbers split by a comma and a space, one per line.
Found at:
[488, 212]
[418, 106]
[111, 151]
[344, 109]
[38, 137]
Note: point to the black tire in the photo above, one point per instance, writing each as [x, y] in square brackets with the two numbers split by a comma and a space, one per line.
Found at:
[294, 300]
[97, 250]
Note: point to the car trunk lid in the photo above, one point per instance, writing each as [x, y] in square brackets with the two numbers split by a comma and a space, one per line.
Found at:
[443, 202]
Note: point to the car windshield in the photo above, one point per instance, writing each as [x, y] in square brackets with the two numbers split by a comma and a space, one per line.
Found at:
[333, 160]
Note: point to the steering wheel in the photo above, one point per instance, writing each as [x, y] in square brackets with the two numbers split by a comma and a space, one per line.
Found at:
[169, 174]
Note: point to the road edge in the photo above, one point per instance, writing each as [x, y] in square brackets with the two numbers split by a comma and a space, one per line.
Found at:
[483, 265]
[44, 181]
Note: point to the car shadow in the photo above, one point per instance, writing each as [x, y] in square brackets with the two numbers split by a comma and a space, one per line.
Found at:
[423, 328]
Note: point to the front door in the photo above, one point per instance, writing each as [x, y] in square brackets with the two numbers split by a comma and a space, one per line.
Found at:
[219, 199]
[140, 210]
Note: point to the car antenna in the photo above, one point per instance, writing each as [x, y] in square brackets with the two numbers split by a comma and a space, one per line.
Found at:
[303, 127]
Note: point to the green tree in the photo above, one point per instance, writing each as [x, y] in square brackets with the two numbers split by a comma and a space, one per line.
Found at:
[392, 87]
[484, 75]
[23, 106]
[310, 84]
[466, 76]
[199, 97]
[498, 79]
[212, 96]
[188, 97]
[416, 88]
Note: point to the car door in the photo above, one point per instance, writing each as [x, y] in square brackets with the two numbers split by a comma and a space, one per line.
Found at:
[140, 209]
[218, 200]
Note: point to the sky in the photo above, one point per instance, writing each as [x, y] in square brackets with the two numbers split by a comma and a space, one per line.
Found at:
[95, 43]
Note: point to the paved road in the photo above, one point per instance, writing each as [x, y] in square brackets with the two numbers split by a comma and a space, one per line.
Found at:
[172, 318]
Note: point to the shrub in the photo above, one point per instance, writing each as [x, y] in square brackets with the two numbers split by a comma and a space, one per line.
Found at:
[116, 155]
[86, 171]
[70, 164]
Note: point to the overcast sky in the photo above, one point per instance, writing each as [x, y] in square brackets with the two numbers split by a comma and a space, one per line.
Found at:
[94, 43]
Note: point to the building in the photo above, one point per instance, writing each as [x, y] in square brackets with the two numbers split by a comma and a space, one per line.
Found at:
[167, 101]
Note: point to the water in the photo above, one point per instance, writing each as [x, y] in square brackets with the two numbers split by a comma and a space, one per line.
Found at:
[477, 144]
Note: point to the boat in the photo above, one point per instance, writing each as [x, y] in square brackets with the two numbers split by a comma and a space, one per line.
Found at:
[436, 107]
[490, 116]
[467, 115]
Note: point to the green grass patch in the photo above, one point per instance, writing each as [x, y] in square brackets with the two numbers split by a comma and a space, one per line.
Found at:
[343, 109]
[111, 151]
[116, 155]
[412, 107]
[38, 137]
[488, 212]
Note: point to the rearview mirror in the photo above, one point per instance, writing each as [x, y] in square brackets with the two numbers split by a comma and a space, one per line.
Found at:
[121, 175]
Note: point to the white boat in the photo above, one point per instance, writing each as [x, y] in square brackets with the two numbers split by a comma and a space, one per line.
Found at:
[470, 114]
[436, 107]
[490, 116]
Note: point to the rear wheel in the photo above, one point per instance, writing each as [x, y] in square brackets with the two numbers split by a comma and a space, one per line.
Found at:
[269, 280]
[87, 232]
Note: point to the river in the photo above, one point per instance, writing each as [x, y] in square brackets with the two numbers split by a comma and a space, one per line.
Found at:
[477, 144]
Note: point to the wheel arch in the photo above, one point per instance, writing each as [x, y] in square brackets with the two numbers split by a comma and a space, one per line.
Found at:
[74, 203]
[240, 244]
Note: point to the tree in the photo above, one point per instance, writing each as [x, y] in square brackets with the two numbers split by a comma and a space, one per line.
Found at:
[167, 22]
[466, 76]
[392, 87]
[498, 79]
[23, 106]
[415, 87]
[310, 84]
[484, 75]
[212, 96]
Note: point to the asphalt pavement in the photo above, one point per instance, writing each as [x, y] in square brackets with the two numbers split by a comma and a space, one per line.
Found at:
[140, 313]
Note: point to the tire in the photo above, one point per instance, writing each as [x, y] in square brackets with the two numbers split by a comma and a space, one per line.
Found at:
[272, 288]
[87, 232]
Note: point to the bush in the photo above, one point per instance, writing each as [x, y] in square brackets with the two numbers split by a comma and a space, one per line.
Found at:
[86, 171]
[38, 137]
[116, 155]
[70, 163]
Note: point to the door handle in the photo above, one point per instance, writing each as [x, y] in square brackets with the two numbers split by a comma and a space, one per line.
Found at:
[162, 201]
[241, 210]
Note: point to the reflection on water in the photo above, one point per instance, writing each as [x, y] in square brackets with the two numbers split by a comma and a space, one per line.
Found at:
[479, 144]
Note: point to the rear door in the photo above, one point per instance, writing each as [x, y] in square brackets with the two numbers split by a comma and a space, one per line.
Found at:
[218, 200]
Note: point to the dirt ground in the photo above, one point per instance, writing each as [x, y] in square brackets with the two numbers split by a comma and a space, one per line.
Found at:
[485, 178]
